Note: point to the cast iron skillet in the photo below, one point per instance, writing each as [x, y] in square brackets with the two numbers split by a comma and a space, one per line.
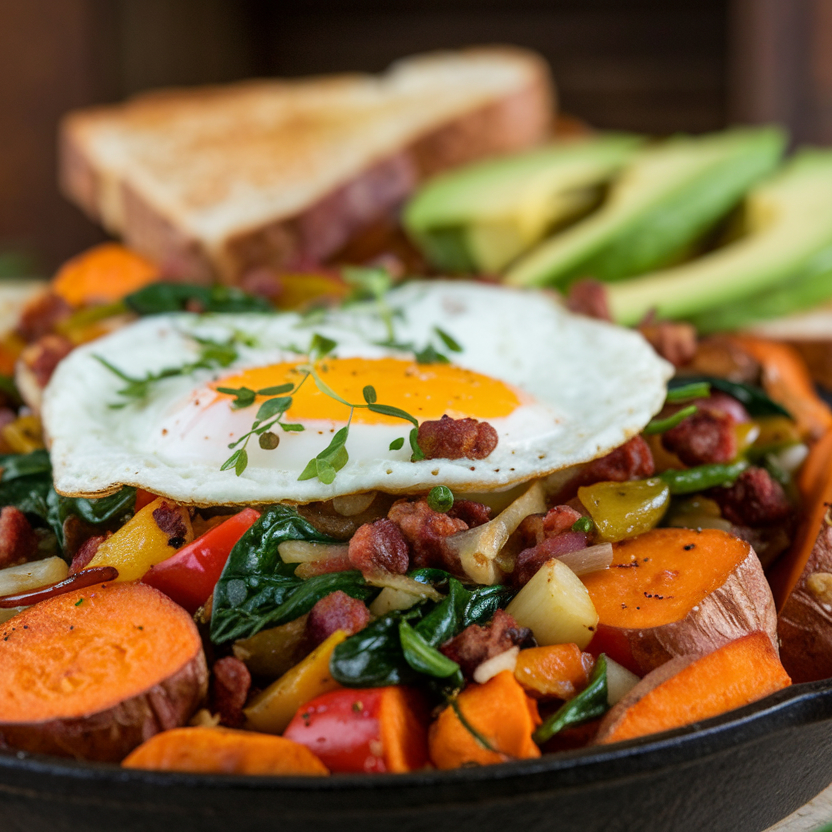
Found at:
[740, 772]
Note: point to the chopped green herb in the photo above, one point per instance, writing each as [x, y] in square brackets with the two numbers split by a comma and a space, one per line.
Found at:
[397, 444]
[583, 524]
[441, 498]
[697, 390]
[79, 602]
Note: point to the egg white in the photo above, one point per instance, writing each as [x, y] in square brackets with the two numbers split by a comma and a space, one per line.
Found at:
[593, 386]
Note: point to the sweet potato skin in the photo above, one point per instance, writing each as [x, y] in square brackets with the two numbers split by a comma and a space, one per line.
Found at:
[805, 621]
[110, 733]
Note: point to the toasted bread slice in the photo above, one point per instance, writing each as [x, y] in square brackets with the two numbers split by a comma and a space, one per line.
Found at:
[219, 180]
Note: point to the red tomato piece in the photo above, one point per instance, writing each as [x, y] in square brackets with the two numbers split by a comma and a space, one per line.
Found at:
[189, 576]
[364, 730]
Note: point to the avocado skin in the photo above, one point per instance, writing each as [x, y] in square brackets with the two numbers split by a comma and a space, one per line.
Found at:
[788, 244]
[522, 196]
[668, 197]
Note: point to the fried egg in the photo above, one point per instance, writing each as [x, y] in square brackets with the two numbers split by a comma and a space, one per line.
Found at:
[559, 389]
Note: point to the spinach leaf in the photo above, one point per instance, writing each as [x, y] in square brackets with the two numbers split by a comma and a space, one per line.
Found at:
[26, 483]
[373, 657]
[105, 513]
[755, 401]
[590, 703]
[179, 297]
[385, 653]
[424, 658]
[257, 589]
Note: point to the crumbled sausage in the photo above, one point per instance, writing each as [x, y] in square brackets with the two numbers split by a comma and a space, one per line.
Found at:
[755, 499]
[86, 552]
[449, 438]
[18, 541]
[472, 513]
[632, 461]
[425, 531]
[44, 355]
[589, 297]
[672, 340]
[230, 686]
[707, 436]
[476, 644]
[336, 611]
[536, 528]
[379, 547]
[41, 314]
[168, 518]
[530, 560]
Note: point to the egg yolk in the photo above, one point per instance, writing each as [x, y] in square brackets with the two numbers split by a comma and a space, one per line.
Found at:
[425, 391]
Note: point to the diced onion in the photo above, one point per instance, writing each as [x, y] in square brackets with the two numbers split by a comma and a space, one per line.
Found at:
[496, 664]
[390, 599]
[591, 559]
[404, 584]
[352, 504]
[29, 576]
[478, 548]
[620, 681]
[302, 551]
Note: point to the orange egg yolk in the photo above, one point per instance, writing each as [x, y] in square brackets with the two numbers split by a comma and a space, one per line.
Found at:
[425, 391]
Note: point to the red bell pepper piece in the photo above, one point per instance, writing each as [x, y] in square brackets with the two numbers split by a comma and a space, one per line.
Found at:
[189, 576]
[364, 730]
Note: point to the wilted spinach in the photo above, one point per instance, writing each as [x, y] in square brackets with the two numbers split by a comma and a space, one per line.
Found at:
[258, 590]
[380, 655]
[26, 484]
[180, 297]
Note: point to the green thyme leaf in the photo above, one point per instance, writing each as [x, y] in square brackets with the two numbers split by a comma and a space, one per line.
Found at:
[449, 342]
[370, 394]
[418, 453]
[242, 462]
[272, 407]
[320, 346]
[397, 444]
[276, 391]
[388, 410]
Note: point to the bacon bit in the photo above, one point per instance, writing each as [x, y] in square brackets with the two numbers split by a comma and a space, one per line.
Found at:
[80, 580]
[589, 297]
[169, 520]
[18, 541]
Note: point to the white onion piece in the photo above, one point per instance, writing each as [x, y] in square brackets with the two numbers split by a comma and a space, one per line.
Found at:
[29, 576]
[303, 551]
[496, 664]
[620, 681]
[352, 504]
[791, 458]
[390, 599]
[591, 559]
[478, 548]
[404, 584]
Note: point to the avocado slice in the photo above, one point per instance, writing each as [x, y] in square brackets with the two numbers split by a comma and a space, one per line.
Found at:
[671, 194]
[482, 216]
[788, 240]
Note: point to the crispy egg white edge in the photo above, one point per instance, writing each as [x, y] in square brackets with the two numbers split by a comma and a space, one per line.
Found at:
[614, 397]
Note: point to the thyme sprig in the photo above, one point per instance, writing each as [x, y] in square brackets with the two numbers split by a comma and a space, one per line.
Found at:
[212, 355]
[334, 457]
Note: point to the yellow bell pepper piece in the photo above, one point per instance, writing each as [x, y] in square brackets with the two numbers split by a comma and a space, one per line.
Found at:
[141, 542]
[272, 710]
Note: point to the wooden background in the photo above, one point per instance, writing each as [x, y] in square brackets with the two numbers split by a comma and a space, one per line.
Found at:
[650, 65]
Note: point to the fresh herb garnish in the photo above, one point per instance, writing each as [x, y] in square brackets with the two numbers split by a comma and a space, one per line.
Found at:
[162, 297]
[441, 498]
[583, 524]
[212, 355]
[326, 465]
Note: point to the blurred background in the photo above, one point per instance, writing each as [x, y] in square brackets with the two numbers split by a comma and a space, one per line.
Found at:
[656, 66]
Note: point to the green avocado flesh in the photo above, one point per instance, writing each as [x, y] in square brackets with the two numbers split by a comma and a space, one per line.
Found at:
[668, 197]
[482, 216]
[781, 264]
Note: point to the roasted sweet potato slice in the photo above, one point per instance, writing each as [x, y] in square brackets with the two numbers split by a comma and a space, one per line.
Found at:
[224, 751]
[678, 592]
[688, 689]
[93, 673]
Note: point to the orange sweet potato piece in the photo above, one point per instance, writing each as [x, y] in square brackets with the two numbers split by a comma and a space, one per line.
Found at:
[502, 716]
[93, 673]
[103, 274]
[556, 671]
[678, 592]
[224, 751]
[786, 379]
[689, 689]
